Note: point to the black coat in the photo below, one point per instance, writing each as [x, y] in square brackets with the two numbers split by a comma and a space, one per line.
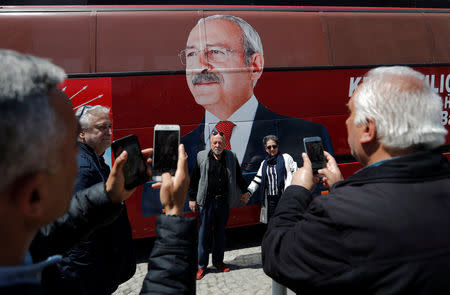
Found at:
[173, 262]
[89, 209]
[384, 230]
[172, 265]
[104, 260]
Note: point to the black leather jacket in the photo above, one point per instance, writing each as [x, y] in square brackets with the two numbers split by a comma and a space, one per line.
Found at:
[384, 230]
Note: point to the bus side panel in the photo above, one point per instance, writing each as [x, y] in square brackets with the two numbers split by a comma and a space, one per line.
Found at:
[379, 38]
[67, 39]
[439, 29]
[143, 40]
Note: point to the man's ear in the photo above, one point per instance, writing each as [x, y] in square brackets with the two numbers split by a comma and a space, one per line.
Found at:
[256, 65]
[369, 132]
[27, 194]
[81, 135]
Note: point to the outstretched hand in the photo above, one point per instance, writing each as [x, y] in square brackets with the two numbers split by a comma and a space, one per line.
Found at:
[174, 189]
[245, 198]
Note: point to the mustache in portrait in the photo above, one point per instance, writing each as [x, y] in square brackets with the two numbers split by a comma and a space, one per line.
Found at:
[205, 77]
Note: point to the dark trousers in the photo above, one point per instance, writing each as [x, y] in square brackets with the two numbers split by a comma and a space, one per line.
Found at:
[272, 202]
[213, 219]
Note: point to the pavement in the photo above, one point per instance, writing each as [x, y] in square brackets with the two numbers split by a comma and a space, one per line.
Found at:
[246, 276]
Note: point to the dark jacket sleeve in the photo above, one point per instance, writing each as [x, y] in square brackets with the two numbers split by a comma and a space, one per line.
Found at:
[302, 246]
[242, 184]
[173, 261]
[193, 185]
[89, 210]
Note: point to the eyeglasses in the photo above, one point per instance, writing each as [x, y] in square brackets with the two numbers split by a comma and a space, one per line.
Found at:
[212, 54]
[103, 127]
[269, 147]
[215, 132]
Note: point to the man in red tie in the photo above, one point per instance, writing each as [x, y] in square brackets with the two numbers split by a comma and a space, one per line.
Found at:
[224, 60]
[216, 184]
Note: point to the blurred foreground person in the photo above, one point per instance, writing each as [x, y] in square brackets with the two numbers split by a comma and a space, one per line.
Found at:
[38, 143]
[105, 259]
[385, 229]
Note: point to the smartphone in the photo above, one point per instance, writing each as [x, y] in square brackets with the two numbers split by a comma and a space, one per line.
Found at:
[135, 169]
[166, 139]
[314, 149]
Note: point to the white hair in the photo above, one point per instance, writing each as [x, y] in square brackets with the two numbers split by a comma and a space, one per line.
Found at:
[29, 126]
[85, 114]
[251, 41]
[406, 111]
[250, 37]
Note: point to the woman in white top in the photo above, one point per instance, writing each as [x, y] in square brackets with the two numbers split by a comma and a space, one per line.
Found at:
[273, 176]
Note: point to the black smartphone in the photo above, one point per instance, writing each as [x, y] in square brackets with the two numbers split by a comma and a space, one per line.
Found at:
[314, 149]
[166, 139]
[135, 169]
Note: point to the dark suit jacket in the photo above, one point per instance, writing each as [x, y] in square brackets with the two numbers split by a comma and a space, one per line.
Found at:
[290, 132]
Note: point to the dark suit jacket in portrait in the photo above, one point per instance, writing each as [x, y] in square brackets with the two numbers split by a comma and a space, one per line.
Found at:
[290, 132]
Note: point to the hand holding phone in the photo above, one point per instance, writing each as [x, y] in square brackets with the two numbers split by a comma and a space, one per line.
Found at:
[314, 150]
[135, 168]
[166, 139]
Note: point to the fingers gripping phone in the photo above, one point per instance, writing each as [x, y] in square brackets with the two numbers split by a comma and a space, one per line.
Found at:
[314, 149]
[135, 168]
[166, 139]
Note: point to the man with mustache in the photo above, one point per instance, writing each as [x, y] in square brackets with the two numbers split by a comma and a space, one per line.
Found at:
[216, 185]
[38, 216]
[224, 60]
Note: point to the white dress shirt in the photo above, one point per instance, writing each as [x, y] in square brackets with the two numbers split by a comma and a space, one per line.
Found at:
[243, 118]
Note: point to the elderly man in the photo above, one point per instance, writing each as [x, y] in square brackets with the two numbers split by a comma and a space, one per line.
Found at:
[217, 184]
[37, 119]
[384, 230]
[95, 266]
[224, 60]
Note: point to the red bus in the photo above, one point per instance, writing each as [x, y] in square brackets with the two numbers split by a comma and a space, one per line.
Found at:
[126, 57]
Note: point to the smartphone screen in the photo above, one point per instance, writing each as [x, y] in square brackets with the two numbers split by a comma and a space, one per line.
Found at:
[135, 168]
[165, 150]
[314, 149]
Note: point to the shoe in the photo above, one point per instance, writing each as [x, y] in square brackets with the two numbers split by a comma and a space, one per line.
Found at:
[222, 267]
[200, 273]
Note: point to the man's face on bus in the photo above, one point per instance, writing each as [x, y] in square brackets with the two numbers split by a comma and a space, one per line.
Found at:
[215, 66]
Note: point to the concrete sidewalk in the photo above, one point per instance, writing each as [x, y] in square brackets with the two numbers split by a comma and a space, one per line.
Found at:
[246, 276]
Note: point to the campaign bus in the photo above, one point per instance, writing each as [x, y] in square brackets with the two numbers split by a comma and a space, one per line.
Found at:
[133, 60]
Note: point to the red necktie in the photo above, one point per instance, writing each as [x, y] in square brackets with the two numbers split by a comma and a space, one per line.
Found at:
[226, 127]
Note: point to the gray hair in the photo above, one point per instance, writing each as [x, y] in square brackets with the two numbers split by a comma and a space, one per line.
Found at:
[29, 126]
[85, 113]
[250, 37]
[270, 137]
[405, 109]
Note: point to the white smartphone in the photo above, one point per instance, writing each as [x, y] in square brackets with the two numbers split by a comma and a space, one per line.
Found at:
[166, 139]
[314, 149]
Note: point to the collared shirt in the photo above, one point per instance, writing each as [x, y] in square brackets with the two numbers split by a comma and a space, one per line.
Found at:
[243, 118]
[219, 186]
[381, 162]
[217, 180]
[272, 180]
[27, 273]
